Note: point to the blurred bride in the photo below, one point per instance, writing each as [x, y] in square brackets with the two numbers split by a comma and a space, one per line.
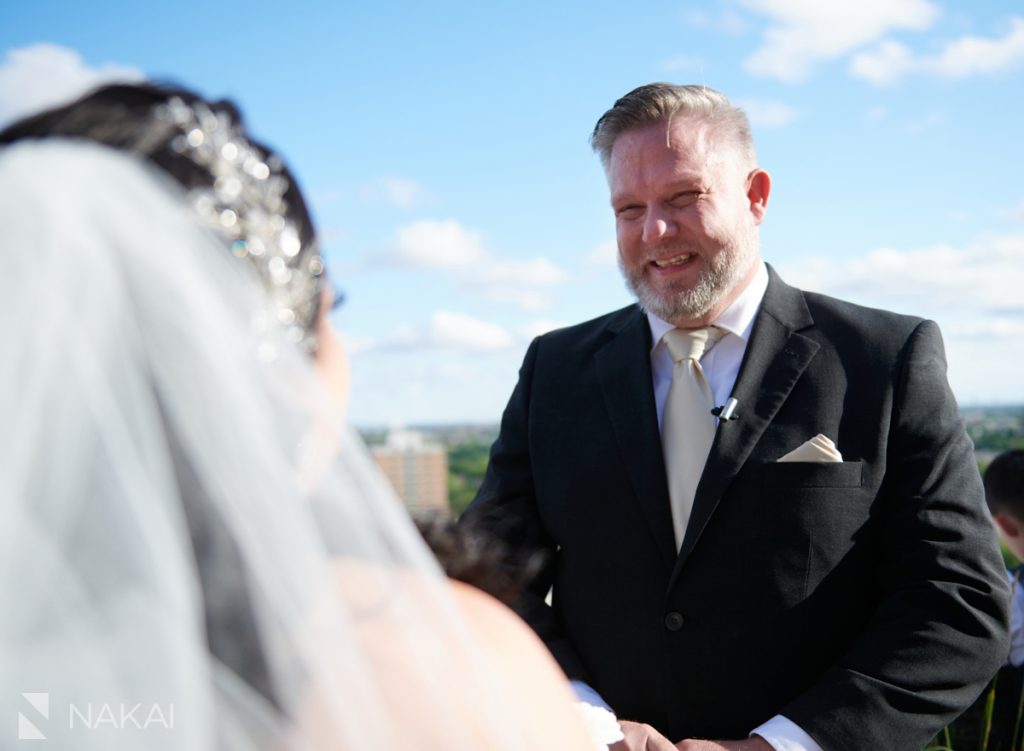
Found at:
[193, 553]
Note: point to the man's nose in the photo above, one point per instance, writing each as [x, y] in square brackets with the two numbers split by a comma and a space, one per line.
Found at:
[658, 225]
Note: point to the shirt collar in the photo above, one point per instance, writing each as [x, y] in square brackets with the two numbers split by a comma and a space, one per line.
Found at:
[737, 319]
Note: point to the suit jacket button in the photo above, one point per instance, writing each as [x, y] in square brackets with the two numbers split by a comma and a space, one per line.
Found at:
[674, 621]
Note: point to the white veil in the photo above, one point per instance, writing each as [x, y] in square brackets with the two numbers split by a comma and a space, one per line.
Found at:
[170, 503]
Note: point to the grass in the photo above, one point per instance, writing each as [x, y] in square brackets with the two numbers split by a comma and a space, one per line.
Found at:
[975, 733]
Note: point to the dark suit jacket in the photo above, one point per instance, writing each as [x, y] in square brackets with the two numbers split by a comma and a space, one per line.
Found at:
[865, 600]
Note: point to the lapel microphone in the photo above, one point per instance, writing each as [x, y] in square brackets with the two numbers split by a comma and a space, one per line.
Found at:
[727, 411]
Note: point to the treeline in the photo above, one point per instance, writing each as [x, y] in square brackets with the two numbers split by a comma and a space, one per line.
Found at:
[995, 429]
[467, 463]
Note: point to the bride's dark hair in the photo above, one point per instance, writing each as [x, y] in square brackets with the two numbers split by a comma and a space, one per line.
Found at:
[124, 117]
[121, 116]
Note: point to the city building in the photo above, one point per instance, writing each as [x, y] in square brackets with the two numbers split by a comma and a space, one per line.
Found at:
[417, 469]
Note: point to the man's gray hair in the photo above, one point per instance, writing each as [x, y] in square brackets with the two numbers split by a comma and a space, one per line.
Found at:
[663, 102]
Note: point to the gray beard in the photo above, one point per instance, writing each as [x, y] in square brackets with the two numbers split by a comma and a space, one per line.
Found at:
[695, 302]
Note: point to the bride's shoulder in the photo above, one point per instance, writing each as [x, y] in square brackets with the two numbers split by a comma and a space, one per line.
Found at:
[534, 683]
[483, 610]
[477, 634]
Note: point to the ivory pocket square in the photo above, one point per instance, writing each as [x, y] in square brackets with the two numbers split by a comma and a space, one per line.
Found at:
[818, 449]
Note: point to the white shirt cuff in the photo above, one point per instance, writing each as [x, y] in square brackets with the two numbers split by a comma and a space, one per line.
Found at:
[587, 695]
[783, 734]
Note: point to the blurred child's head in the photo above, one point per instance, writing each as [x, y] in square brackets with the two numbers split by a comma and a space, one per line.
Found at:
[1004, 492]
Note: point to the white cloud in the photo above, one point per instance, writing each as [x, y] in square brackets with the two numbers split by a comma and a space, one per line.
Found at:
[985, 277]
[446, 330]
[1012, 213]
[605, 254]
[804, 33]
[534, 272]
[973, 293]
[452, 371]
[996, 328]
[460, 331]
[962, 58]
[883, 65]
[728, 21]
[450, 247]
[39, 76]
[355, 344]
[403, 192]
[876, 113]
[524, 299]
[414, 389]
[540, 326]
[453, 332]
[766, 114]
[403, 338]
[438, 244]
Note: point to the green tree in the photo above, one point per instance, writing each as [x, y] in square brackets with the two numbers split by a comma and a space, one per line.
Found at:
[467, 463]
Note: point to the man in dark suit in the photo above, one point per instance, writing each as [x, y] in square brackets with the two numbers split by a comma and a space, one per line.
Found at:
[850, 596]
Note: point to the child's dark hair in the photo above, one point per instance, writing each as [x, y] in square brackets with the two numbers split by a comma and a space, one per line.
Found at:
[1004, 484]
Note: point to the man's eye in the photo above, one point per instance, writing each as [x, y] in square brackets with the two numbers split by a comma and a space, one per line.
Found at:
[629, 212]
[684, 198]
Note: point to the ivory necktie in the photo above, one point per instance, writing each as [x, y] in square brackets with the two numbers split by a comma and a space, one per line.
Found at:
[687, 426]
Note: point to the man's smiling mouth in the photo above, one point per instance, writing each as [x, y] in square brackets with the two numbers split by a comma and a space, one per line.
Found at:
[679, 260]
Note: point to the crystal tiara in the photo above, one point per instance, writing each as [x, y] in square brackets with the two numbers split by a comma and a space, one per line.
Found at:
[245, 205]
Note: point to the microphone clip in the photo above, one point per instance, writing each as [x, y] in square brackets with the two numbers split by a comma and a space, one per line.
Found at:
[727, 411]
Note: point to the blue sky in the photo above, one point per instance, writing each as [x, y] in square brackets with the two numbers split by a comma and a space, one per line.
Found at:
[444, 149]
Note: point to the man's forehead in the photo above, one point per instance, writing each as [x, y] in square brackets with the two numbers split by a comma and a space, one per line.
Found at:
[688, 128]
[679, 136]
[685, 145]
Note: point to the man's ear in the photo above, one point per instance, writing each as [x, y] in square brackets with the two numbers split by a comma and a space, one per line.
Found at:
[759, 187]
[1010, 527]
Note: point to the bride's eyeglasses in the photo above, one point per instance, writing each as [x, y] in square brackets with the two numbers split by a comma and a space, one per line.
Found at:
[337, 298]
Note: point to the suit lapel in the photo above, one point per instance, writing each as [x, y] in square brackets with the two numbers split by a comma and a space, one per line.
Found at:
[623, 368]
[775, 358]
